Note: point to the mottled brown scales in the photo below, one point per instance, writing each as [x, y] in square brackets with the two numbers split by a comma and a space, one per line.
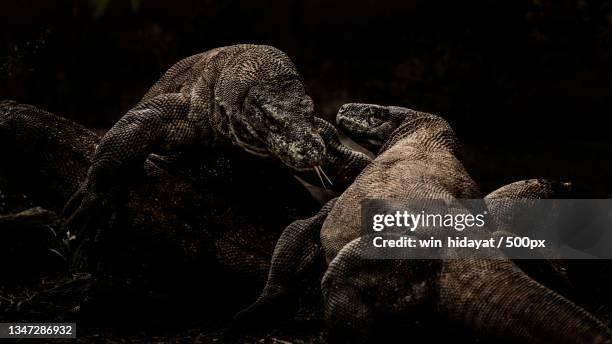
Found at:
[172, 228]
[491, 297]
[422, 166]
[248, 96]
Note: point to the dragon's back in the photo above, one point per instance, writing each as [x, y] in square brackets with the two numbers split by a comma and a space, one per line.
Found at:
[206, 68]
[182, 76]
[409, 169]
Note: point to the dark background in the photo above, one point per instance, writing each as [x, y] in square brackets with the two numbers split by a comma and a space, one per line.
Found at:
[526, 84]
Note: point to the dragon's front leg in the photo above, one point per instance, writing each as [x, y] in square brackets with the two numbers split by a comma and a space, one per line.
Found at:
[296, 254]
[158, 124]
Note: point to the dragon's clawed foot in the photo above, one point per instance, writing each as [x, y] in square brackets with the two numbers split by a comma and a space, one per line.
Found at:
[88, 214]
[274, 303]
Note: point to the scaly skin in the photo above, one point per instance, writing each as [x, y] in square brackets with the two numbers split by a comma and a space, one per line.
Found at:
[370, 125]
[501, 205]
[531, 189]
[173, 230]
[296, 254]
[249, 96]
[492, 298]
[502, 201]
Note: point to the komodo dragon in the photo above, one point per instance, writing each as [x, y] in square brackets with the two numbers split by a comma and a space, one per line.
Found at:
[173, 229]
[493, 298]
[249, 96]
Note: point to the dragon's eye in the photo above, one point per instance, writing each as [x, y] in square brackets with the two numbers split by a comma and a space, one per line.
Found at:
[375, 116]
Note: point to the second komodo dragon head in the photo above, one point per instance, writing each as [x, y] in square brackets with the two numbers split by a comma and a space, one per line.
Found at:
[370, 125]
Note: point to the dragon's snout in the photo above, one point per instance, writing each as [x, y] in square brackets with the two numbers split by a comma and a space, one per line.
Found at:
[302, 154]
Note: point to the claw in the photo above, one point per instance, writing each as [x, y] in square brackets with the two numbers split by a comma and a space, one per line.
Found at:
[273, 303]
[51, 231]
[74, 202]
[86, 227]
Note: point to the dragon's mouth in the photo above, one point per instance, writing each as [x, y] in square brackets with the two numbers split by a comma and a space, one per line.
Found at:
[253, 150]
[264, 151]
[248, 147]
[360, 133]
[357, 127]
[303, 169]
[309, 167]
[259, 151]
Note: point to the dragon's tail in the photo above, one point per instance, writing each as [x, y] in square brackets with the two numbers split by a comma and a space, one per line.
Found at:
[496, 298]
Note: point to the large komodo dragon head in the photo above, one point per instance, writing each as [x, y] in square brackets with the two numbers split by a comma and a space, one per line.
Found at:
[261, 98]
